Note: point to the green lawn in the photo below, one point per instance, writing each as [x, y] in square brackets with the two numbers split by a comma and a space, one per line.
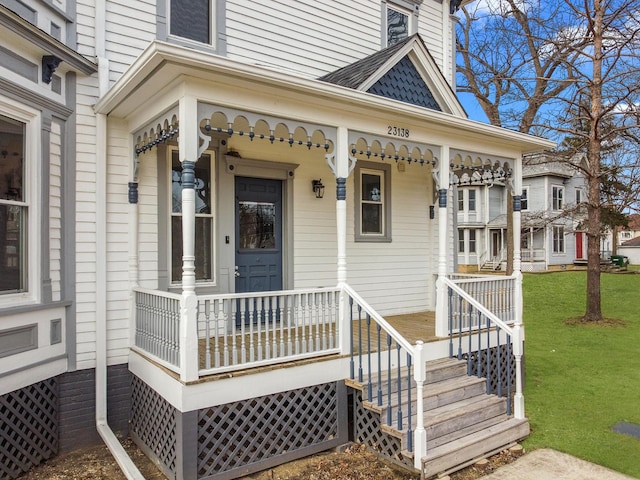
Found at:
[581, 380]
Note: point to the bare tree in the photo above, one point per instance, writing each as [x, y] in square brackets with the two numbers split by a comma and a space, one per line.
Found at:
[581, 64]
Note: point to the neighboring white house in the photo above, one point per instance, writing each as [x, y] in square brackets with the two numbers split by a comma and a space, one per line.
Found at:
[625, 234]
[207, 210]
[552, 192]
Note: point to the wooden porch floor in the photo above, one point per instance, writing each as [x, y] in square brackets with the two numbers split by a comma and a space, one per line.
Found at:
[413, 327]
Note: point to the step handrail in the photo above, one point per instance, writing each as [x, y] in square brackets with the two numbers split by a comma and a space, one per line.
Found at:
[386, 326]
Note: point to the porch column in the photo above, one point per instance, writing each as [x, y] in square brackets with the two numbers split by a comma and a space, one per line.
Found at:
[341, 171]
[518, 337]
[188, 148]
[133, 255]
[442, 311]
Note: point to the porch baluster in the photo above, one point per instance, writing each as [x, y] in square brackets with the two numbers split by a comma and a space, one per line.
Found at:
[243, 342]
[389, 416]
[379, 329]
[281, 311]
[290, 322]
[234, 308]
[469, 359]
[317, 300]
[509, 399]
[298, 317]
[399, 369]
[409, 406]
[369, 383]
[499, 364]
[207, 334]
[450, 310]
[352, 373]
[461, 315]
[360, 376]
[488, 359]
[263, 328]
[251, 309]
[479, 361]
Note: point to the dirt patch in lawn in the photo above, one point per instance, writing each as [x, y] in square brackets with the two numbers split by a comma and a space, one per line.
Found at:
[605, 322]
[352, 463]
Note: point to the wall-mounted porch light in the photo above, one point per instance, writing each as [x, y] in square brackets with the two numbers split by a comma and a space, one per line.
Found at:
[318, 188]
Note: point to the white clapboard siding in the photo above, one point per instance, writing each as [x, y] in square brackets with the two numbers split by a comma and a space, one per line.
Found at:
[55, 210]
[308, 37]
[131, 26]
[313, 38]
[397, 277]
[148, 198]
[85, 223]
[118, 244]
[431, 29]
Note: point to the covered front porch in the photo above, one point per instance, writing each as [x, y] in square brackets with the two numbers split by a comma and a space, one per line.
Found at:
[239, 300]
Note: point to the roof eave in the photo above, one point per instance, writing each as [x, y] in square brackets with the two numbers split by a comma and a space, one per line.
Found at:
[46, 42]
[160, 53]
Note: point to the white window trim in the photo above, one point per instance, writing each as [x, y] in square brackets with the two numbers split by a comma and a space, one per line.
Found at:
[32, 154]
[408, 7]
[561, 198]
[384, 170]
[524, 196]
[212, 215]
[553, 240]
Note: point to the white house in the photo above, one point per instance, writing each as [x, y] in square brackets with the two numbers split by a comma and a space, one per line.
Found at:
[216, 217]
[552, 194]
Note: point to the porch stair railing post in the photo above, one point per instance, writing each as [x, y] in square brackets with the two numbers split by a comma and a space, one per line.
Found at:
[420, 434]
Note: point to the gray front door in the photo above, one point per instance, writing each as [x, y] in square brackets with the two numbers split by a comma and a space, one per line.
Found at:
[258, 235]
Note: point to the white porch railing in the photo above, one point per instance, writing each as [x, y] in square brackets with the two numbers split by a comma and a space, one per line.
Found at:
[535, 255]
[241, 331]
[496, 293]
[238, 331]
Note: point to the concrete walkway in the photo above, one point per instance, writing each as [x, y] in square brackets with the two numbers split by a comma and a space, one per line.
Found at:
[546, 464]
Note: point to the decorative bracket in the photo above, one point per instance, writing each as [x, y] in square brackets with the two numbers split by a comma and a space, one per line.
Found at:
[49, 65]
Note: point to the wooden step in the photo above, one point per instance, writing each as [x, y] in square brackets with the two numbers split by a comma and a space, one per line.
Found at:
[436, 371]
[462, 414]
[435, 395]
[464, 451]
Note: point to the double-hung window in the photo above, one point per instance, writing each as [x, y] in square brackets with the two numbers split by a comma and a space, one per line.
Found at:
[472, 200]
[558, 239]
[14, 207]
[557, 197]
[524, 199]
[472, 241]
[373, 205]
[204, 218]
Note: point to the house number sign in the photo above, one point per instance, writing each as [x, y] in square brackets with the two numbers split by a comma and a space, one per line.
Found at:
[397, 131]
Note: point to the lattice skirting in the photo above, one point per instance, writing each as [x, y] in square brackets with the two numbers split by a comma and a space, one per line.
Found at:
[153, 425]
[499, 368]
[28, 427]
[233, 440]
[367, 431]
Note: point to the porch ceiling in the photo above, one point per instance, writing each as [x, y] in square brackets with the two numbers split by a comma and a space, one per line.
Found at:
[162, 70]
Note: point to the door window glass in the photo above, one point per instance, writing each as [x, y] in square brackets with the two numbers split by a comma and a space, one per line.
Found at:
[257, 225]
